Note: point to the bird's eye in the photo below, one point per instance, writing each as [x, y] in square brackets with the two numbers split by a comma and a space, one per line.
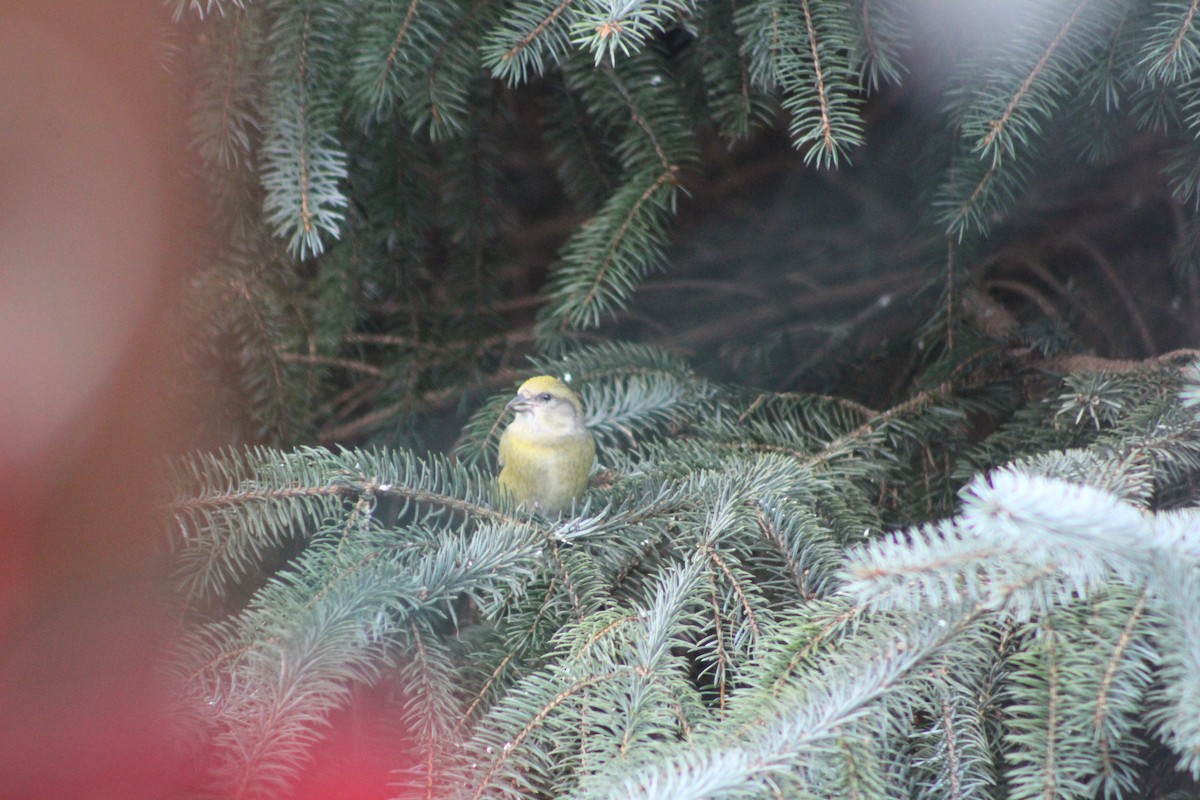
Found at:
[544, 397]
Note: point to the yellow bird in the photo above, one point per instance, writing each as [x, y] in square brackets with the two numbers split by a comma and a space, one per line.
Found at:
[546, 452]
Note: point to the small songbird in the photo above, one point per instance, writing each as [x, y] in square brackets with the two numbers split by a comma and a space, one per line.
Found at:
[546, 453]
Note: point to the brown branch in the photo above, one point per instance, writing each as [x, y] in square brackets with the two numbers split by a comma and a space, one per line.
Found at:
[435, 65]
[810, 647]
[719, 644]
[716, 559]
[466, 715]
[330, 361]
[827, 143]
[1180, 36]
[640, 120]
[528, 38]
[1050, 771]
[435, 399]
[996, 126]
[430, 773]
[850, 405]
[395, 49]
[820, 298]
[1110, 671]
[868, 31]
[566, 694]
[568, 583]
[1076, 363]
[1040, 270]
[1025, 290]
[241, 498]
[961, 211]
[771, 534]
[951, 739]
[305, 211]
[1114, 280]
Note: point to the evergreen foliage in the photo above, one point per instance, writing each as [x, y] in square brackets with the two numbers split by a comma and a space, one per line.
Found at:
[984, 586]
[727, 613]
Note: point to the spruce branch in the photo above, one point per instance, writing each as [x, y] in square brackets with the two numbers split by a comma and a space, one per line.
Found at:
[882, 40]
[430, 707]
[805, 50]
[245, 302]
[236, 508]
[1110, 544]
[513, 750]
[419, 61]
[607, 27]
[381, 64]
[824, 133]
[1176, 720]
[738, 106]
[801, 728]
[974, 190]
[225, 124]
[1171, 50]
[350, 597]
[528, 40]
[583, 151]
[1007, 110]
[302, 163]
[612, 254]
[205, 8]
[997, 137]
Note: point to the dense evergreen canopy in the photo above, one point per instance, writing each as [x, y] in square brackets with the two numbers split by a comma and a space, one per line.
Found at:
[913, 515]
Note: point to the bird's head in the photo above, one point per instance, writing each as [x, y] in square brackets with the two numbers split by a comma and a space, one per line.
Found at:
[546, 397]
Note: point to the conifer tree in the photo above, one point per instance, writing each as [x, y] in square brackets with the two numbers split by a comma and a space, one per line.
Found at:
[982, 581]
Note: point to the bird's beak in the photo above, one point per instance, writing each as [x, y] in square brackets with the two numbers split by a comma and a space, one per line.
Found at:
[518, 403]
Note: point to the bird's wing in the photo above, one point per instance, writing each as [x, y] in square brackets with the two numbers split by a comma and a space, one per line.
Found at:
[503, 447]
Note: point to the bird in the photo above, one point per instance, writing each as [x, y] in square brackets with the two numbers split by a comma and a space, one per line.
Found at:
[546, 452]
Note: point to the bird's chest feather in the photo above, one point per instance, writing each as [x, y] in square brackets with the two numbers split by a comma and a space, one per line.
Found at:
[542, 467]
[545, 455]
